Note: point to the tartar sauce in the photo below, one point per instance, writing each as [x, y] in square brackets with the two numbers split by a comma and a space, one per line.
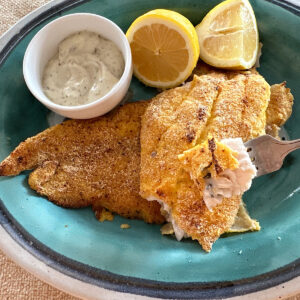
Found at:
[85, 68]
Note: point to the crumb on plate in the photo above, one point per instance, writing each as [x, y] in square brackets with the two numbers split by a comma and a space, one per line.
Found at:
[125, 226]
[104, 215]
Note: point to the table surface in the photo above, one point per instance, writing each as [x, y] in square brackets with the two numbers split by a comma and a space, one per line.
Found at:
[16, 283]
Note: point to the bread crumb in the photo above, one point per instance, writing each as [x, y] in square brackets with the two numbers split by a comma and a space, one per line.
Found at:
[125, 226]
[167, 229]
[104, 215]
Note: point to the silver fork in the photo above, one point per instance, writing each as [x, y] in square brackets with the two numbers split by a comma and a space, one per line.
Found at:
[268, 153]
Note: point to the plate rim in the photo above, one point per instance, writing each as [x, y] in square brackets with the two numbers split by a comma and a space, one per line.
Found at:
[84, 290]
[105, 279]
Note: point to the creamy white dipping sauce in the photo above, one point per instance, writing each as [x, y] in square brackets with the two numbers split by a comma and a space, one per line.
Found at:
[85, 68]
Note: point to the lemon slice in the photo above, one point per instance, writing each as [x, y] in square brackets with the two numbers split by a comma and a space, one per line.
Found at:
[164, 46]
[228, 35]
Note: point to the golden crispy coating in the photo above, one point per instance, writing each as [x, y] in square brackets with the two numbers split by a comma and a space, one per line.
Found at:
[177, 120]
[281, 99]
[88, 162]
[240, 109]
[279, 109]
[210, 157]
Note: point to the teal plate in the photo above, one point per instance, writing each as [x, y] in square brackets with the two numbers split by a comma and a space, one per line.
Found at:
[140, 260]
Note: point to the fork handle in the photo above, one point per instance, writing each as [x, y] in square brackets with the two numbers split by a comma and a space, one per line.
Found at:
[290, 146]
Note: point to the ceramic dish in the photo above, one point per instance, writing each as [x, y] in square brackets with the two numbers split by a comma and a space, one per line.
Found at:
[43, 47]
[73, 251]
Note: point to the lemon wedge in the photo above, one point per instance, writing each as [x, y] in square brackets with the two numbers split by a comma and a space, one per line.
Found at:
[164, 46]
[228, 35]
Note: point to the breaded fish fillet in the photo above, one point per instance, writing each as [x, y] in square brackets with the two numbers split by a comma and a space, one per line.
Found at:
[57, 155]
[88, 162]
[175, 121]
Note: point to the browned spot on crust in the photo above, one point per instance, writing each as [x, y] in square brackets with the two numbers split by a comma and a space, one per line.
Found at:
[245, 101]
[217, 166]
[208, 175]
[153, 153]
[160, 193]
[201, 113]
[212, 148]
[190, 135]
[211, 145]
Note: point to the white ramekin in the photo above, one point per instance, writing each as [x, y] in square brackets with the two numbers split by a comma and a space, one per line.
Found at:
[44, 45]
